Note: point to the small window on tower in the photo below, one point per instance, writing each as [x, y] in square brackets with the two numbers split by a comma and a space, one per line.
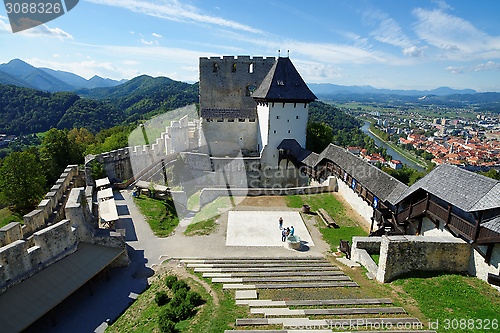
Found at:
[296, 117]
[234, 68]
[216, 67]
[250, 68]
[274, 131]
[277, 117]
[288, 131]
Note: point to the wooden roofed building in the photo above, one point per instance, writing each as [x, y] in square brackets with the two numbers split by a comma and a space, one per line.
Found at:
[455, 200]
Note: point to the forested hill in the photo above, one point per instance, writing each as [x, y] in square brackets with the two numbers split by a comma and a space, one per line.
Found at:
[25, 111]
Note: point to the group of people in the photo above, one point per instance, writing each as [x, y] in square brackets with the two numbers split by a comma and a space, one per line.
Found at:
[285, 232]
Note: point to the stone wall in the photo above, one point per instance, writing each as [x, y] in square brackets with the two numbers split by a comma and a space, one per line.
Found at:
[402, 255]
[23, 258]
[356, 202]
[227, 82]
[231, 136]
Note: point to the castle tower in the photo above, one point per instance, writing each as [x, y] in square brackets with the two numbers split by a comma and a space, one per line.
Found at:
[282, 108]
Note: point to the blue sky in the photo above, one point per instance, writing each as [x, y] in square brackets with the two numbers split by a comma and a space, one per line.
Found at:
[420, 44]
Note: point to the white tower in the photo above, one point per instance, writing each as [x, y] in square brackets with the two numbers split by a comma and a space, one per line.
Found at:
[282, 108]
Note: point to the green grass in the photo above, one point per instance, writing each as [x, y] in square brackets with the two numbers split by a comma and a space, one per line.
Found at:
[205, 227]
[445, 298]
[348, 227]
[194, 202]
[160, 215]
[7, 216]
[213, 209]
[375, 257]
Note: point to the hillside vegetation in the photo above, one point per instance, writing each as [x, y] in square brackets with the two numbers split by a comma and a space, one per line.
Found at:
[26, 111]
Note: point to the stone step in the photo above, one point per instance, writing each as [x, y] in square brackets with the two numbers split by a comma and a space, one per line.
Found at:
[263, 269]
[338, 311]
[325, 331]
[289, 285]
[333, 323]
[264, 264]
[281, 279]
[250, 294]
[253, 260]
[352, 301]
[294, 273]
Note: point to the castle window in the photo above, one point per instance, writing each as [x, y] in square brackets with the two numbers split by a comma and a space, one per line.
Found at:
[230, 120]
[252, 120]
[209, 120]
[216, 67]
[220, 120]
[277, 117]
[274, 131]
[288, 120]
[288, 131]
[241, 120]
[250, 68]
[234, 68]
[296, 117]
[294, 105]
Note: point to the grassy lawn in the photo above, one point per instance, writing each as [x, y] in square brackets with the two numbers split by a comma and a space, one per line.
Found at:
[348, 227]
[213, 209]
[7, 216]
[213, 316]
[205, 227]
[449, 299]
[194, 202]
[160, 215]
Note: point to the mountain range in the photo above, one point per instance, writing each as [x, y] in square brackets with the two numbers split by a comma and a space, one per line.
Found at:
[19, 73]
[324, 89]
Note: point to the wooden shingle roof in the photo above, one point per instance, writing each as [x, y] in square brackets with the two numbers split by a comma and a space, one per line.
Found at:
[464, 189]
[381, 184]
[284, 84]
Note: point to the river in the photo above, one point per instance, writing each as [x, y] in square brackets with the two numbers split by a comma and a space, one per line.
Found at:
[395, 155]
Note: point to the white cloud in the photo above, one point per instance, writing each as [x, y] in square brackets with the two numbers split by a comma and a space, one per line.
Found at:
[457, 38]
[44, 30]
[86, 69]
[482, 67]
[4, 25]
[154, 34]
[175, 10]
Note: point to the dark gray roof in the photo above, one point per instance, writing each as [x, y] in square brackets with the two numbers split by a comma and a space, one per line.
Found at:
[493, 224]
[283, 84]
[381, 184]
[464, 189]
[302, 155]
[217, 113]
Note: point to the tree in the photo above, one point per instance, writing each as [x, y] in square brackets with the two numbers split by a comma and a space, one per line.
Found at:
[22, 180]
[319, 136]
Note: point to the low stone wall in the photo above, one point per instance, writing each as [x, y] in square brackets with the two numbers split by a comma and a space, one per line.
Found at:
[208, 195]
[369, 244]
[400, 255]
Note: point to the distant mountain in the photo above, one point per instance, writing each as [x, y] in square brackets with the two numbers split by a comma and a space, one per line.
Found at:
[322, 89]
[22, 74]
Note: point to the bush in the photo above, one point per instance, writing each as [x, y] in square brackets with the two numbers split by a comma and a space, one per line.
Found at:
[166, 325]
[193, 298]
[170, 280]
[168, 313]
[180, 284]
[179, 298]
[183, 311]
[161, 298]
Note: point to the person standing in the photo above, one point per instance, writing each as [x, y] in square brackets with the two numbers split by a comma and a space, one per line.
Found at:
[292, 231]
[281, 223]
[283, 235]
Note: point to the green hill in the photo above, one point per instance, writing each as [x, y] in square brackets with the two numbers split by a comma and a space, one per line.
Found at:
[25, 111]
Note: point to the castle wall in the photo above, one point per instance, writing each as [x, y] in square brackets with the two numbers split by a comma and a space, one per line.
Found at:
[230, 136]
[227, 82]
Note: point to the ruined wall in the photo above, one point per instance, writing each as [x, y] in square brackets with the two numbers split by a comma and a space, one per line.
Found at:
[23, 258]
[401, 255]
[227, 82]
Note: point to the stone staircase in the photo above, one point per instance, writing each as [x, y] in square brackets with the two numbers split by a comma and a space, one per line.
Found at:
[249, 275]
